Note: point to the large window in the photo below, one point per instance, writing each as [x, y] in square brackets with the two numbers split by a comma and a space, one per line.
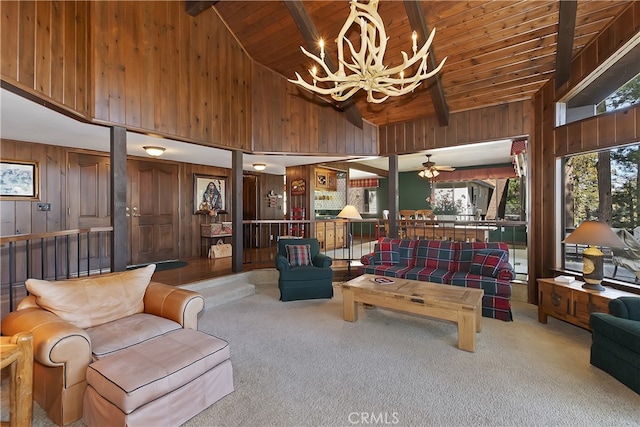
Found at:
[604, 186]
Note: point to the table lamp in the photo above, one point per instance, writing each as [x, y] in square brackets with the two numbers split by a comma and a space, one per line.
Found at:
[593, 233]
[349, 212]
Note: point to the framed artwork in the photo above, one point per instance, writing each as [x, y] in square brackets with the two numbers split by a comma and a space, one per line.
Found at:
[209, 194]
[298, 187]
[19, 180]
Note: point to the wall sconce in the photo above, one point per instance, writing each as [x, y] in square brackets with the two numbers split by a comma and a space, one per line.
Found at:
[154, 151]
[259, 166]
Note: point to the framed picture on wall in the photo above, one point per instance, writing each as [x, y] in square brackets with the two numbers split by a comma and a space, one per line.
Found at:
[19, 180]
[209, 194]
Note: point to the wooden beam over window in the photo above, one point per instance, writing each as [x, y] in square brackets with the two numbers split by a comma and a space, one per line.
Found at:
[415, 13]
[353, 165]
[566, 32]
[195, 8]
[311, 35]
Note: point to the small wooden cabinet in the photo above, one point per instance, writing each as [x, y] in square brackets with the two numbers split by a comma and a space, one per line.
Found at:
[330, 234]
[571, 302]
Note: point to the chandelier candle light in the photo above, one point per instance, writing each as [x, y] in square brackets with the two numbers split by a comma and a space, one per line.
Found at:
[368, 70]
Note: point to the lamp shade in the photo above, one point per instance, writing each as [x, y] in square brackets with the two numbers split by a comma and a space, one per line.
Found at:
[594, 233]
[259, 166]
[349, 212]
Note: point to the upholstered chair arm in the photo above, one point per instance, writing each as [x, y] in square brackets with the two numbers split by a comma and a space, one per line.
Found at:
[179, 305]
[282, 263]
[322, 261]
[367, 259]
[506, 272]
[625, 307]
[56, 342]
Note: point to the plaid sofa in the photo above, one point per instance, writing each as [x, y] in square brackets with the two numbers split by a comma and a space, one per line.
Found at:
[453, 263]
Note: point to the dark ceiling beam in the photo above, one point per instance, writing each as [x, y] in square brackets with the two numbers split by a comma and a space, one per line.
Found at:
[195, 8]
[359, 166]
[415, 13]
[311, 36]
[566, 32]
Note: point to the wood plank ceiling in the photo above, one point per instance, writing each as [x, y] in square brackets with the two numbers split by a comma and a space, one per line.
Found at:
[497, 51]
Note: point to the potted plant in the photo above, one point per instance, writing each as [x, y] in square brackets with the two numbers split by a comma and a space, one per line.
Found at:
[445, 208]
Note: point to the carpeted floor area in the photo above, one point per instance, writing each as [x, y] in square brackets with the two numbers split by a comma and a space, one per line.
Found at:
[299, 364]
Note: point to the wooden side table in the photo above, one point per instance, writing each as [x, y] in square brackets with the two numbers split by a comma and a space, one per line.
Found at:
[16, 353]
[571, 302]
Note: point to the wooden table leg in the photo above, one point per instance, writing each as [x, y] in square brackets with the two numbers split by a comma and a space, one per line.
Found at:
[467, 330]
[479, 316]
[349, 306]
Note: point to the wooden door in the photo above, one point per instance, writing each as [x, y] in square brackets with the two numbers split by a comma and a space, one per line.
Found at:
[88, 205]
[153, 208]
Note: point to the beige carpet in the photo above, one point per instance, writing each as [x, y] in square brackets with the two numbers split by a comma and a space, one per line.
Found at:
[299, 364]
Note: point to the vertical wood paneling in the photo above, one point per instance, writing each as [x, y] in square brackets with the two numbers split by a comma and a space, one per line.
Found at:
[8, 43]
[70, 52]
[131, 40]
[43, 51]
[26, 43]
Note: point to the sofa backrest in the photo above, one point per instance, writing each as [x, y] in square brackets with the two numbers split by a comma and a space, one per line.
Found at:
[436, 254]
[466, 251]
[406, 248]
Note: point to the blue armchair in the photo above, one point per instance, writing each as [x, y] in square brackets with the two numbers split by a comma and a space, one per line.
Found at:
[616, 341]
[312, 279]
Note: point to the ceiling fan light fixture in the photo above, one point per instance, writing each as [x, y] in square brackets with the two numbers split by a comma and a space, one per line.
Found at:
[154, 151]
[428, 173]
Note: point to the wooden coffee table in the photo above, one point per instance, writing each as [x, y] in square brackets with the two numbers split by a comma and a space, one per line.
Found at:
[462, 306]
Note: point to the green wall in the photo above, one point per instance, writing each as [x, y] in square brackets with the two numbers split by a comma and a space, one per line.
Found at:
[413, 191]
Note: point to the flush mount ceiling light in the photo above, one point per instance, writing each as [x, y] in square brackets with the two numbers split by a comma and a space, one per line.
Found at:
[259, 166]
[368, 72]
[154, 151]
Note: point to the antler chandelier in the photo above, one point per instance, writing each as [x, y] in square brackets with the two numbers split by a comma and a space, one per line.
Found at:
[368, 70]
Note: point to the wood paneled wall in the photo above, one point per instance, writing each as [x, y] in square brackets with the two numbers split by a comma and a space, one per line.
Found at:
[548, 143]
[608, 41]
[158, 69]
[22, 217]
[287, 119]
[44, 49]
[483, 124]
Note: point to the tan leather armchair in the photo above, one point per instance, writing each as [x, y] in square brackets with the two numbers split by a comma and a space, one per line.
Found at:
[62, 351]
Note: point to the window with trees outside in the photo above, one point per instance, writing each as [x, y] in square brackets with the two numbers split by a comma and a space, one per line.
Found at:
[605, 186]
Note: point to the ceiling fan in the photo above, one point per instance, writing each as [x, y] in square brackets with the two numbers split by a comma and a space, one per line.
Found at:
[431, 170]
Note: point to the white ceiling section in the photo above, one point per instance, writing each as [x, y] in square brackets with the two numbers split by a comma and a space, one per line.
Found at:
[24, 120]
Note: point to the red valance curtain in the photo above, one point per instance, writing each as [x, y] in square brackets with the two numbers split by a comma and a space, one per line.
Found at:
[364, 183]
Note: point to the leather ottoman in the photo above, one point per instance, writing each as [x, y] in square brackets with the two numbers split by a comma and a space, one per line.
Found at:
[163, 381]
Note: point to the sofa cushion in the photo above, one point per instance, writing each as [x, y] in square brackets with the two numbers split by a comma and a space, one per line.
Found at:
[108, 338]
[466, 251]
[436, 254]
[299, 255]
[386, 253]
[487, 263]
[385, 270]
[406, 250]
[94, 300]
[428, 274]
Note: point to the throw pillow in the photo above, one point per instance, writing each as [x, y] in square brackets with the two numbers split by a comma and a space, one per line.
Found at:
[94, 300]
[486, 264]
[299, 255]
[386, 253]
